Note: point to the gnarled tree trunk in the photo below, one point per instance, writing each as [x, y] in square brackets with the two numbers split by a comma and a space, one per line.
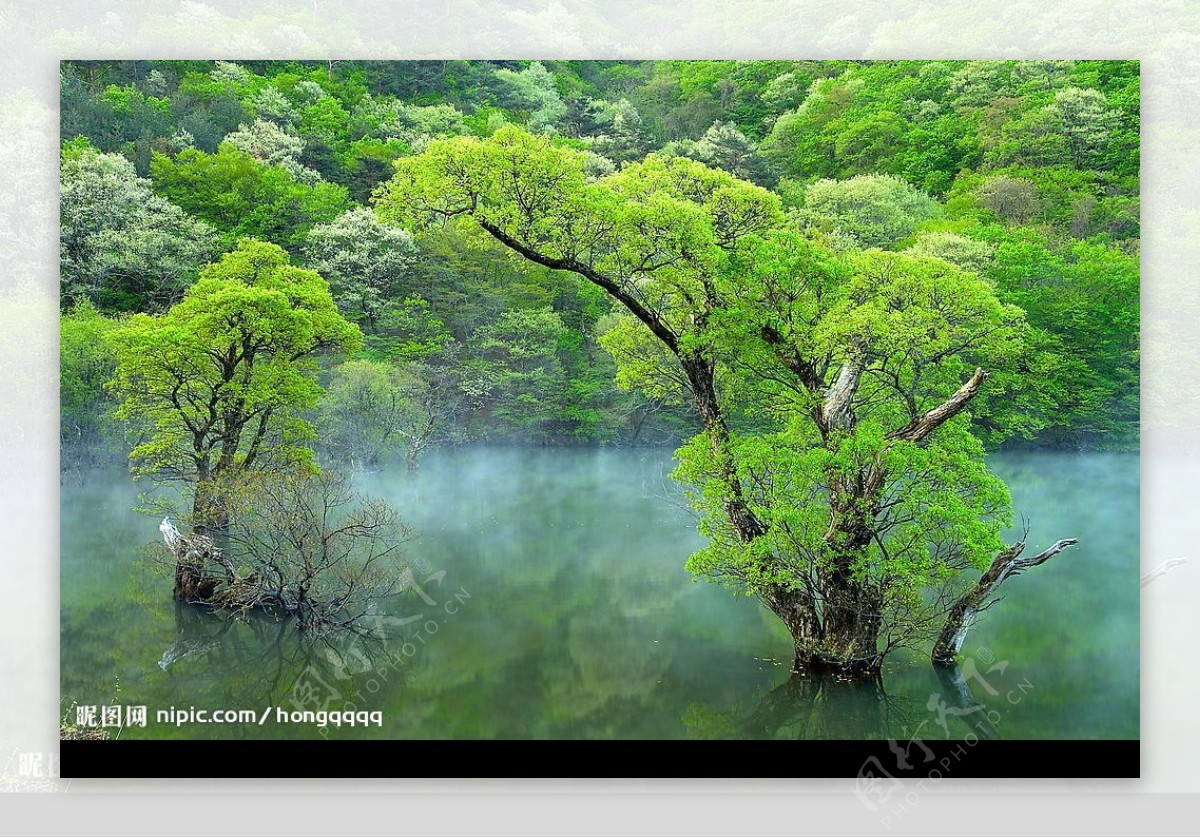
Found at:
[835, 633]
[210, 513]
[798, 612]
[834, 629]
[192, 554]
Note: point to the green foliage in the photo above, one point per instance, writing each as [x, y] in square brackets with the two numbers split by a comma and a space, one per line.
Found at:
[1074, 128]
[219, 384]
[273, 150]
[367, 264]
[881, 117]
[117, 118]
[533, 91]
[670, 218]
[624, 137]
[723, 146]
[123, 248]
[243, 197]
[409, 331]
[370, 410]
[86, 363]
[1085, 301]
[519, 372]
[643, 363]
[944, 512]
[868, 210]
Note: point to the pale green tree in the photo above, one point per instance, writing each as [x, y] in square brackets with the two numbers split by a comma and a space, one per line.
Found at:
[1087, 122]
[724, 146]
[872, 210]
[625, 137]
[534, 90]
[121, 246]
[967, 253]
[366, 262]
[266, 141]
[371, 410]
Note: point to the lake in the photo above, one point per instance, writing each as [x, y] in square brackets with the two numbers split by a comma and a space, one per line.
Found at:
[553, 603]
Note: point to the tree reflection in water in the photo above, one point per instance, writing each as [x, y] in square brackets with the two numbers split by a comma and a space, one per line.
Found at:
[808, 706]
[255, 658]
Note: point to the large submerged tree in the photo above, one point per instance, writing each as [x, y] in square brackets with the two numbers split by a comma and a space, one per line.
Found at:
[836, 474]
[219, 388]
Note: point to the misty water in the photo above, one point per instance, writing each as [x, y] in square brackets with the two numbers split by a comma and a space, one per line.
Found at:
[554, 603]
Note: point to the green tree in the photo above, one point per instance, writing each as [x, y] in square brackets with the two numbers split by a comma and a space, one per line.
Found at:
[122, 247]
[517, 374]
[533, 90]
[1085, 301]
[409, 332]
[1086, 122]
[368, 264]
[116, 119]
[271, 105]
[725, 147]
[244, 197]
[786, 92]
[625, 137]
[371, 410]
[86, 364]
[969, 254]
[217, 387]
[857, 506]
[266, 141]
[869, 210]
[386, 118]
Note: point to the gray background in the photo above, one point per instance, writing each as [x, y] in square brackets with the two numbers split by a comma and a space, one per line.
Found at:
[1164, 35]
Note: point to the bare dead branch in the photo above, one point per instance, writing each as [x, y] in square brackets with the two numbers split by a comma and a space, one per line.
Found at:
[1008, 563]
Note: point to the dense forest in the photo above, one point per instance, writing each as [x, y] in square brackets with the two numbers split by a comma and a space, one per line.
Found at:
[1022, 173]
[831, 286]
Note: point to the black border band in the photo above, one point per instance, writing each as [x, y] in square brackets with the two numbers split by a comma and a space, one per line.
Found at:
[364, 758]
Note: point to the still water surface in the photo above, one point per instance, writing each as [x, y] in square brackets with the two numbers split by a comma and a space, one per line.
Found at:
[556, 606]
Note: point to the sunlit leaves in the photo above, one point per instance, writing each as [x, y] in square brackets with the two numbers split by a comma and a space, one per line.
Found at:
[220, 381]
[242, 196]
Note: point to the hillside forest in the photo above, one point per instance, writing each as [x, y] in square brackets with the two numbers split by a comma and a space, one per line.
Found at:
[832, 286]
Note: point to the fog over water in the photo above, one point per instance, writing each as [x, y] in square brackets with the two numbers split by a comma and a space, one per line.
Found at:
[553, 603]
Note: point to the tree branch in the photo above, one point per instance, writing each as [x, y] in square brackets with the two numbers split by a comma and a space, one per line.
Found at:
[836, 412]
[801, 367]
[922, 427]
[1008, 563]
[653, 321]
